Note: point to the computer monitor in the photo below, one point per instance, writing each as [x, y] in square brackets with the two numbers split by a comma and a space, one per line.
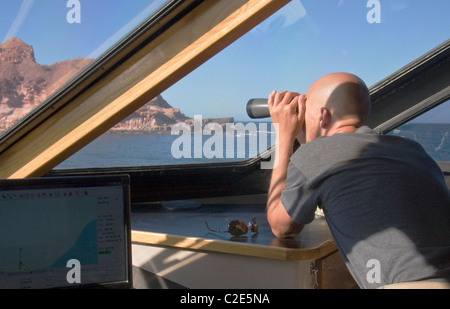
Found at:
[65, 232]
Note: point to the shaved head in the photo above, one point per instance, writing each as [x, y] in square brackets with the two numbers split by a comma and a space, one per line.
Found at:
[344, 94]
[336, 102]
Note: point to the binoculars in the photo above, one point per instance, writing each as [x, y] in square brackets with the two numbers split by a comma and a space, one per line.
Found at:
[258, 108]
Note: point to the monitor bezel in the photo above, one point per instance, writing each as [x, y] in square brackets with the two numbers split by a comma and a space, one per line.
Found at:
[86, 181]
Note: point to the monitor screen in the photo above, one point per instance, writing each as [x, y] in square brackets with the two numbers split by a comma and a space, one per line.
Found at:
[65, 232]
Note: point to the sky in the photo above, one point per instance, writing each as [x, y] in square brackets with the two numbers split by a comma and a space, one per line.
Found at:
[44, 25]
[289, 51]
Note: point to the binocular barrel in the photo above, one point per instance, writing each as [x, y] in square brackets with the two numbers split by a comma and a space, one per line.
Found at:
[258, 108]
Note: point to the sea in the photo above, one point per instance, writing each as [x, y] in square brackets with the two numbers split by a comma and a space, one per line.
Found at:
[146, 149]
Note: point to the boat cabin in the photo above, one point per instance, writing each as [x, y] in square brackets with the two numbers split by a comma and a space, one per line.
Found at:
[152, 122]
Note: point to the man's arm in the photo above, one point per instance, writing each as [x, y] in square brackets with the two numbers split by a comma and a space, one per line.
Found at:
[287, 112]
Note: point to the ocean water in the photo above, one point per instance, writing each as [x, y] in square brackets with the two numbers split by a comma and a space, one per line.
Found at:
[126, 149]
[144, 149]
[435, 138]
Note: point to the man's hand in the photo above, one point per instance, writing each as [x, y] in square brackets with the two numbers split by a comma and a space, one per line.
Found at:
[287, 109]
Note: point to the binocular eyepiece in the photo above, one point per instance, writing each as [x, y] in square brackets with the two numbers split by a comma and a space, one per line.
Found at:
[258, 108]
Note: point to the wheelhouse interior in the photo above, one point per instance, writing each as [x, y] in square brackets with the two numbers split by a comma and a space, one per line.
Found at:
[201, 52]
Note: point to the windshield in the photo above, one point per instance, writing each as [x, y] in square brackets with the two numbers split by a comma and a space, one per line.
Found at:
[289, 51]
[46, 43]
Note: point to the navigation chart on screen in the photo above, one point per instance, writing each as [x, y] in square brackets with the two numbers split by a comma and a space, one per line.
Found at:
[64, 232]
[47, 237]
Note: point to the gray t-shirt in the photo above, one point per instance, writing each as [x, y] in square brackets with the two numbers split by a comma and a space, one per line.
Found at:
[385, 200]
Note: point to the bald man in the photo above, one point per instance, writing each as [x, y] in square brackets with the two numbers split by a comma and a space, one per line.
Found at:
[385, 200]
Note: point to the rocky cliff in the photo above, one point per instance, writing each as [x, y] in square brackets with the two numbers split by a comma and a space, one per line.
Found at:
[157, 116]
[24, 84]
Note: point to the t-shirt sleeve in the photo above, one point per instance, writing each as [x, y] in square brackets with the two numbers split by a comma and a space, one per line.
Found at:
[299, 200]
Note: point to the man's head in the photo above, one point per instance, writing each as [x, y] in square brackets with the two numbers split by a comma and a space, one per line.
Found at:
[336, 103]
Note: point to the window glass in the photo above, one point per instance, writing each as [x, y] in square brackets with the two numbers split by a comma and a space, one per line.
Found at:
[431, 130]
[289, 51]
[46, 43]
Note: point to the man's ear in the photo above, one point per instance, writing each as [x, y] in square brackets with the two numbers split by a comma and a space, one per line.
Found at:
[325, 118]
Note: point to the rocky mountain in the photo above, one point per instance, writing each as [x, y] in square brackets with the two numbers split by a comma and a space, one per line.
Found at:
[24, 84]
[156, 116]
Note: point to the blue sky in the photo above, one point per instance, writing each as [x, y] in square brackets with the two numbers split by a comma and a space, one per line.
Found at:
[290, 50]
[308, 39]
[43, 24]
